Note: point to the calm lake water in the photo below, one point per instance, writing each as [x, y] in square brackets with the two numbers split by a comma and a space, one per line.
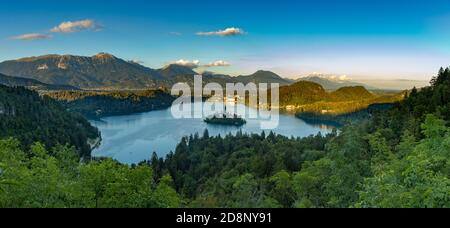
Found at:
[133, 138]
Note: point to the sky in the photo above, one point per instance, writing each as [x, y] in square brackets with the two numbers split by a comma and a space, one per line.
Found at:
[370, 39]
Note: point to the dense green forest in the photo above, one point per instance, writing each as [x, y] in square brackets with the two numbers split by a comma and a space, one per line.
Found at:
[101, 104]
[355, 169]
[397, 158]
[35, 178]
[32, 118]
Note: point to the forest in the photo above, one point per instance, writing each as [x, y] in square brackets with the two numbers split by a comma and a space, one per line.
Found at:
[94, 105]
[396, 158]
[340, 120]
[31, 118]
[310, 97]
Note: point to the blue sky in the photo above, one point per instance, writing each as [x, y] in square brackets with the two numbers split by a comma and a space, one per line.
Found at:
[362, 39]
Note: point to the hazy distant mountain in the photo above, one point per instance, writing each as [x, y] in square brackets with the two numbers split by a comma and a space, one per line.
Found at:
[101, 70]
[263, 77]
[32, 83]
[173, 70]
[329, 83]
[396, 84]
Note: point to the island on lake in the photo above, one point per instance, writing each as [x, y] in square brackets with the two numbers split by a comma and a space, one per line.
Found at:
[225, 119]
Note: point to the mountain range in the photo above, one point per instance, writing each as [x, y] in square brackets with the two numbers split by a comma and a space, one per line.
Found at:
[107, 71]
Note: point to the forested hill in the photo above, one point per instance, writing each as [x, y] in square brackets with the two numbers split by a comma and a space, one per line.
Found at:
[413, 110]
[351, 94]
[101, 104]
[305, 96]
[305, 92]
[302, 93]
[31, 83]
[30, 118]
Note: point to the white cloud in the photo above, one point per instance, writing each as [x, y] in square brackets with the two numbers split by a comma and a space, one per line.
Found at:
[76, 26]
[137, 61]
[32, 36]
[187, 63]
[218, 63]
[331, 76]
[337, 77]
[225, 32]
[196, 63]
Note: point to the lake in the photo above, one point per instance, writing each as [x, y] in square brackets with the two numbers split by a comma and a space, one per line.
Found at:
[133, 138]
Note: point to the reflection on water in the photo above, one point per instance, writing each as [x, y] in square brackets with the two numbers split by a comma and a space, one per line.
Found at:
[133, 138]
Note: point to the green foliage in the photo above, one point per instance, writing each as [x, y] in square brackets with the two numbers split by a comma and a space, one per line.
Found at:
[282, 190]
[351, 94]
[240, 171]
[31, 118]
[419, 180]
[44, 181]
[331, 181]
[302, 93]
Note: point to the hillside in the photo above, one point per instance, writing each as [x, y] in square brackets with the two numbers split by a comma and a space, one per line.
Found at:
[99, 71]
[307, 96]
[31, 118]
[173, 70]
[31, 83]
[95, 105]
[351, 94]
[301, 93]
